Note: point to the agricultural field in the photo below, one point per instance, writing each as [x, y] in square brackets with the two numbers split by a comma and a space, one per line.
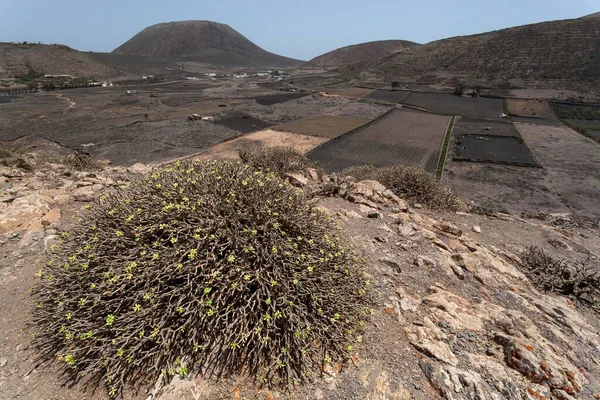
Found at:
[571, 161]
[152, 126]
[6, 99]
[504, 188]
[534, 111]
[227, 150]
[570, 111]
[271, 99]
[483, 127]
[448, 104]
[326, 126]
[312, 106]
[493, 149]
[350, 92]
[402, 136]
[583, 117]
[388, 96]
[242, 123]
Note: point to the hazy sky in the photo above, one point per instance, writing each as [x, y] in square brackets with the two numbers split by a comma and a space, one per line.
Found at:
[300, 29]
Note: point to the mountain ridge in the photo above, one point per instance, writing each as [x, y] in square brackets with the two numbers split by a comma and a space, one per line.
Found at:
[357, 53]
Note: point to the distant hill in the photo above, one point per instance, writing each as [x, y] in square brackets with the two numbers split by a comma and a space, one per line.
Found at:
[359, 53]
[595, 15]
[567, 50]
[204, 41]
[22, 59]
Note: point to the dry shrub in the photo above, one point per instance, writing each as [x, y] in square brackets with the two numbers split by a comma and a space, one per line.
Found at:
[411, 183]
[279, 159]
[580, 279]
[15, 157]
[80, 162]
[210, 267]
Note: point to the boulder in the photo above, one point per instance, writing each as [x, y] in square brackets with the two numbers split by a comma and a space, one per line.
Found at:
[22, 211]
[297, 179]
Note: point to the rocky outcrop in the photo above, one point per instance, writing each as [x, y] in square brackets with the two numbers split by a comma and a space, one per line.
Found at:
[453, 318]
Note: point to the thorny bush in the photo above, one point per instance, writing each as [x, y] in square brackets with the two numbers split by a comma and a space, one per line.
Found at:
[208, 267]
[411, 183]
[580, 279]
[80, 162]
[279, 159]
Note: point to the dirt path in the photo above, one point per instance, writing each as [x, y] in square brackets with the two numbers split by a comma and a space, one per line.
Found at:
[63, 97]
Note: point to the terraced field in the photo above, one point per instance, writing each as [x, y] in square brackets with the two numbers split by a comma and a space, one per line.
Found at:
[583, 117]
[402, 136]
[480, 107]
[586, 112]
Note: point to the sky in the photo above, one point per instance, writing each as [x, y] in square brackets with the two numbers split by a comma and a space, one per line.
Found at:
[299, 29]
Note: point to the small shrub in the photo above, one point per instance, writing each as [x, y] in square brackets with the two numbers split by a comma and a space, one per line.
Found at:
[580, 280]
[16, 158]
[411, 183]
[279, 159]
[80, 162]
[208, 267]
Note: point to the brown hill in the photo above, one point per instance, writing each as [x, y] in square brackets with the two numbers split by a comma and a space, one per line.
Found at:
[204, 41]
[22, 59]
[359, 53]
[595, 15]
[566, 51]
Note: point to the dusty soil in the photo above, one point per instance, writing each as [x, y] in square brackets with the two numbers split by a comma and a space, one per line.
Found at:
[326, 126]
[350, 92]
[403, 137]
[312, 106]
[269, 137]
[571, 161]
[535, 111]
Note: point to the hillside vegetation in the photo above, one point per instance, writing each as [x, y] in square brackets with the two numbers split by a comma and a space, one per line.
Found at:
[359, 53]
[559, 50]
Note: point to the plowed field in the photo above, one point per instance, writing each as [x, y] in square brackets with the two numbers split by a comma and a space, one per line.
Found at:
[401, 137]
[484, 127]
[326, 126]
[388, 96]
[448, 104]
[534, 111]
[494, 149]
[350, 92]
[271, 99]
